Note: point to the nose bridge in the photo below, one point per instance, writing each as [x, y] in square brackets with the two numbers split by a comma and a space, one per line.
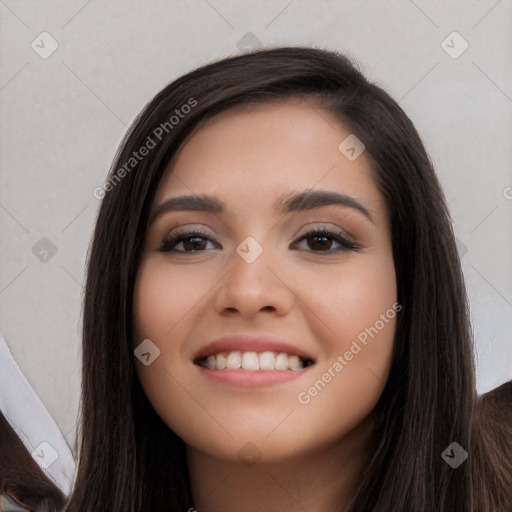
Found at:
[251, 263]
[253, 282]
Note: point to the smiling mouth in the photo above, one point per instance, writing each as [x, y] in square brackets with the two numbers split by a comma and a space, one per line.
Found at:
[253, 361]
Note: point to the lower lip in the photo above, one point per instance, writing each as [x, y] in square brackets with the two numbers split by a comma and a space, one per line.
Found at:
[250, 378]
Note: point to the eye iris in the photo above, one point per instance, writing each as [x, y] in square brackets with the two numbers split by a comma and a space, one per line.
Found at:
[323, 245]
[192, 242]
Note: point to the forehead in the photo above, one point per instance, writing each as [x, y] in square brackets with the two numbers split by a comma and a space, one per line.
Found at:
[265, 151]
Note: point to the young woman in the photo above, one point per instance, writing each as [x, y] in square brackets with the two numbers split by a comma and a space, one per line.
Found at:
[275, 316]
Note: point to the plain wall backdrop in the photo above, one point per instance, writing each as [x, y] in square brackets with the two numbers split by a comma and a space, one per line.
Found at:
[74, 74]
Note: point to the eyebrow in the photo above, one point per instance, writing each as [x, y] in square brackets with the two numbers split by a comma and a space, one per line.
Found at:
[293, 202]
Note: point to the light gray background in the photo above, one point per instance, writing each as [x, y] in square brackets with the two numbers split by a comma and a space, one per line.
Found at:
[62, 118]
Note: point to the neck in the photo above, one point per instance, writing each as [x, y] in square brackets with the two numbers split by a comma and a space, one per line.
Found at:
[321, 480]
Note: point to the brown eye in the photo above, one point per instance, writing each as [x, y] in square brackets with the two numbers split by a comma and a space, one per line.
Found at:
[318, 241]
[321, 240]
[193, 242]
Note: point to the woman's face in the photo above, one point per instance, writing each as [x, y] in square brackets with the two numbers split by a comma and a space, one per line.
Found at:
[325, 302]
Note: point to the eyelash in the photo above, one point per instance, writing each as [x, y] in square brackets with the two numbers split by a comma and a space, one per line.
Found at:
[168, 243]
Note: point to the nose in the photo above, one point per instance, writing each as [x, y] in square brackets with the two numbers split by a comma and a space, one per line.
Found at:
[250, 287]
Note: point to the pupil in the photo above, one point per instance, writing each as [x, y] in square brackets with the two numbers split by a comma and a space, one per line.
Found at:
[325, 241]
[193, 242]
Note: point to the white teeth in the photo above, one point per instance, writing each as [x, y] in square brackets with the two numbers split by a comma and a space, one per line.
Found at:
[253, 361]
[250, 361]
[221, 362]
[234, 360]
[294, 363]
[267, 361]
[281, 362]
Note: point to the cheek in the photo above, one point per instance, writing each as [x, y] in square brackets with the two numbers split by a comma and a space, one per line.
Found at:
[163, 296]
[367, 309]
[355, 319]
[351, 300]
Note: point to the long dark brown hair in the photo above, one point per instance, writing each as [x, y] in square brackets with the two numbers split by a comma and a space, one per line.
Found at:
[129, 460]
[21, 479]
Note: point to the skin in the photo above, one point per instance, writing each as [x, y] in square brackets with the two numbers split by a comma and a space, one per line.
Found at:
[309, 455]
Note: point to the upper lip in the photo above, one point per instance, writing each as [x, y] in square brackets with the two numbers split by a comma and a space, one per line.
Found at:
[251, 343]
